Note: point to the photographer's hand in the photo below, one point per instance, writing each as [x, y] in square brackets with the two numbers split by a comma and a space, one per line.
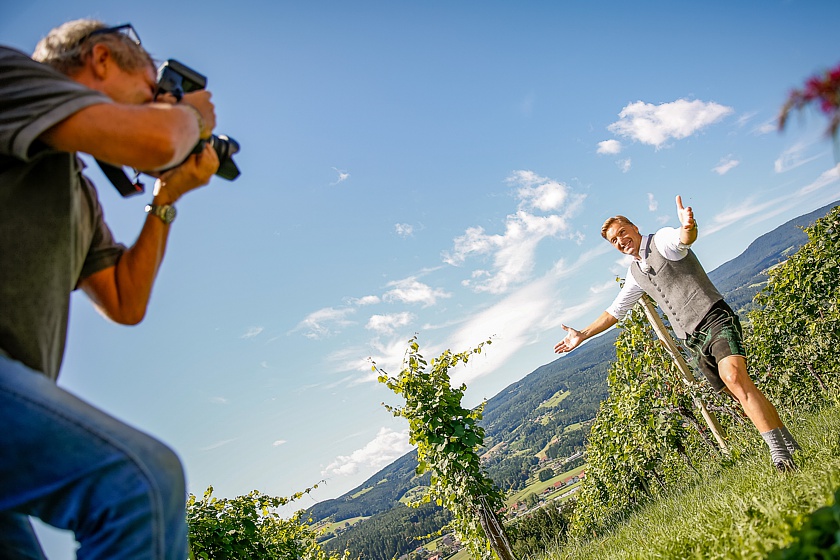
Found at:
[195, 172]
[200, 101]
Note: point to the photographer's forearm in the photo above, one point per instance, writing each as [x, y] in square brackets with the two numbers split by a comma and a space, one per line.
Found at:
[149, 137]
[122, 292]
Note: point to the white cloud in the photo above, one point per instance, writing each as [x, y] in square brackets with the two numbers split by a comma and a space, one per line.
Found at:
[218, 444]
[652, 203]
[610, 285]
[252, 332]
[745, 118]
[342, 176]
[757, 211]
[355, 359]
[325, 322]
[624, 164]
[656, 124]
[363, 301]
[410, 290]
[826, 178]
[387, 446]
[609, 147]
[733, 214]
[404, 230]
[218, 400]
[278, 443]
[767, 128]
[539, 193]
[725, 165]
[386, 324]
[793, 157]
[513, 252]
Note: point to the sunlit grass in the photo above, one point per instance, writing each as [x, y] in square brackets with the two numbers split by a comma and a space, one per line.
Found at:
[740, 510]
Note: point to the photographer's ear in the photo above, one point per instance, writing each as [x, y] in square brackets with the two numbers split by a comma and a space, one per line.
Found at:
[100, 60]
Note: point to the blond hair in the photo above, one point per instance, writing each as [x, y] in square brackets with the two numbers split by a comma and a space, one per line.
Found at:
[614, 220]
[67, 47]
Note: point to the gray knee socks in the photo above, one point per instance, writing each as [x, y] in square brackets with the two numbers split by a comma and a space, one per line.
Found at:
[790, 442]
[781, 444]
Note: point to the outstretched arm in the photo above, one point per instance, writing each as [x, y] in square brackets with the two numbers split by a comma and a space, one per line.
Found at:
[688, 227]
[574, 337]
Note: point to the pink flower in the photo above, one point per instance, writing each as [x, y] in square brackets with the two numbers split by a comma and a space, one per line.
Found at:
[825, 89]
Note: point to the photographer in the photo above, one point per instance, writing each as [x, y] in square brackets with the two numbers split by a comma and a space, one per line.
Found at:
[91, 89]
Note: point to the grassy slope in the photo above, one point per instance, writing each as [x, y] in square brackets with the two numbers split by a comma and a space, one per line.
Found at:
[740, 511]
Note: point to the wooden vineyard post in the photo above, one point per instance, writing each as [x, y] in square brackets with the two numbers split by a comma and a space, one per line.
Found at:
[494, 531]
[671, 346]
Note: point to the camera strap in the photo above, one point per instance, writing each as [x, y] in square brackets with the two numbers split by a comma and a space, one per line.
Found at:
[120, 180]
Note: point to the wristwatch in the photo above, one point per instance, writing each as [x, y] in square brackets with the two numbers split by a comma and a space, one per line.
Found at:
[165, 212]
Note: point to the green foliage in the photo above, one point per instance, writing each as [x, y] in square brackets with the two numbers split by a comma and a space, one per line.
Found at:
[818, 538]
[545, 474]
[645, 431]
[794, 335]
[531, 534]
[447, 437]
[248, 527]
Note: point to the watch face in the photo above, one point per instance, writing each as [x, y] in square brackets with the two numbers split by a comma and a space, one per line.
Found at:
[168, 214]
[164, 212]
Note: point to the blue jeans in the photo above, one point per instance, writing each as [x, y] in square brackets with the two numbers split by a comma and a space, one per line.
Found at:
[74, 467]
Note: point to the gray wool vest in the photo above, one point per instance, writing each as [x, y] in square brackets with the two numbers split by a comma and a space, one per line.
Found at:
[681, 288]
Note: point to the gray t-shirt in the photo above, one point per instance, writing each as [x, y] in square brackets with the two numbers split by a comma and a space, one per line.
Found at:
[52, 231]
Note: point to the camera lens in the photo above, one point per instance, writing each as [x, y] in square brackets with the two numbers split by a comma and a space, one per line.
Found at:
[226, 147]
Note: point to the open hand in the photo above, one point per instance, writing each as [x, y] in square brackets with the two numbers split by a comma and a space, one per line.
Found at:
[572, 340]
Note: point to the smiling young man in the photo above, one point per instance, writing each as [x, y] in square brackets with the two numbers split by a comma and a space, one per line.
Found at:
[666, 268]
[91, 89]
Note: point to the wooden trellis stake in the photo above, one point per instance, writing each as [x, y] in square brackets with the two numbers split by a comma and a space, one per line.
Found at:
[671, 346]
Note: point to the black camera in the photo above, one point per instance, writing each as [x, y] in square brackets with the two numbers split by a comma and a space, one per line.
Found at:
[177, 79]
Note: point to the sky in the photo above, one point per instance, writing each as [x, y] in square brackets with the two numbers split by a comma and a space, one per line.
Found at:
[438, 169]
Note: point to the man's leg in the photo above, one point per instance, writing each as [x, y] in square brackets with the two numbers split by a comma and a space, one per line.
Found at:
[762, 413]
[76, 468]
[733, 372]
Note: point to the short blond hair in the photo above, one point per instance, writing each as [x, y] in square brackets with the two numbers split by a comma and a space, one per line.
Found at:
[67, 47]
[614, 220]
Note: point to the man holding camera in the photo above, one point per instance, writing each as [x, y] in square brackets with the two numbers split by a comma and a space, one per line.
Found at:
[91, 89]
[665, 267]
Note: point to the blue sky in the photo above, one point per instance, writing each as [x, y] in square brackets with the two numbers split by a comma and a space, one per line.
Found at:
[439, 168]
